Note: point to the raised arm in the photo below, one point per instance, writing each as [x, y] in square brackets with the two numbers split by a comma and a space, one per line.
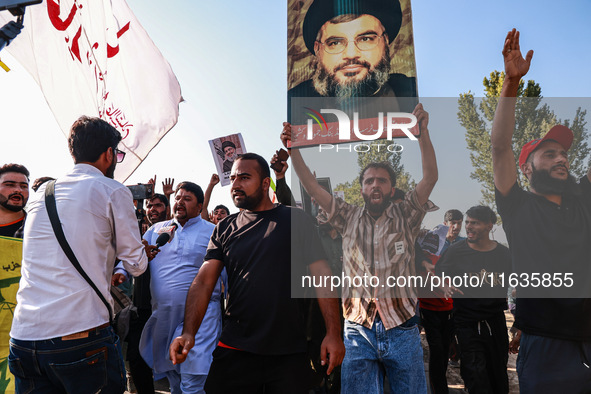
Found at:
[308, 179]
[284, 195]
[215, 179]
[195, 308]
[505, 173]
[428, 159]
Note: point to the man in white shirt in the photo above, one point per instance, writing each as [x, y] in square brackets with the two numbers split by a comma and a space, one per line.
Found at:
[61, 337]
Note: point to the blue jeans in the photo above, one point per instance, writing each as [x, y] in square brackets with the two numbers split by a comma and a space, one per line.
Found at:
[87, 365]
[371, 352]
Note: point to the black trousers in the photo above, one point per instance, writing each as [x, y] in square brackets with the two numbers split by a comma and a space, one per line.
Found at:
[550, 365]
[484, 347]
[140, 372]
[235, 371]
[439, 330]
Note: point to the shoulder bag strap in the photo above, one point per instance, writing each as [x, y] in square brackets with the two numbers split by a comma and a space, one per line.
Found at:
[61, 238]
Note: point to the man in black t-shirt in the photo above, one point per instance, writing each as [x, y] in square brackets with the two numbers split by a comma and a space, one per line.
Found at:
[263, 345]
[479, 304]
[549, 233]
[14, 193]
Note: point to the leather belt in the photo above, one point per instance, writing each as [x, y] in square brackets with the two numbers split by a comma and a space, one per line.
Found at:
[83, 334]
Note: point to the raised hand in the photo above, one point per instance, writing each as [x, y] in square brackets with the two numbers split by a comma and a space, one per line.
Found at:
[515, 65]
[167, 186]
[422, 118]
[283, 164]
[286, 134]
[152, 182]
[215, 179]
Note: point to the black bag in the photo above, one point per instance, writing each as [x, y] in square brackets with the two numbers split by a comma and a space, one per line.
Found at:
[124, 308]
[124, 311]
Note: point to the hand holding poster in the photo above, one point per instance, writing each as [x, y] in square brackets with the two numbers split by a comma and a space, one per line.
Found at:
[224, 151]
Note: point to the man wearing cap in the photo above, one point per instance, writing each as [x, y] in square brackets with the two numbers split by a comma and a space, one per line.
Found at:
[350, 44]
[548, 230]
[230, 151]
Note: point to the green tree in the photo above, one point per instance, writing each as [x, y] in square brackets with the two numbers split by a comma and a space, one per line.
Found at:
[377, 153]
[532, 120]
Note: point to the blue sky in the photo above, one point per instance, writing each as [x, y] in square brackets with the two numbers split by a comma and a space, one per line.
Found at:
[231, 60]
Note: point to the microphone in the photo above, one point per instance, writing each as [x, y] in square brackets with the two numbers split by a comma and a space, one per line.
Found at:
[166, 234]
[162, 240]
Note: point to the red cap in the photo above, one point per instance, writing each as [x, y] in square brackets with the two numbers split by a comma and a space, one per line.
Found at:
[559, 133]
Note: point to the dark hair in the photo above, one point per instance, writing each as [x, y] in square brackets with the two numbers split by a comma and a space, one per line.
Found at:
[193, 188]
[225, 208]
[40, 181]
[11, 167]
[399, 194]
[482, 213]
[453, 214]
[382, 165]
[163, 199]
[264, 170]
[91, 137]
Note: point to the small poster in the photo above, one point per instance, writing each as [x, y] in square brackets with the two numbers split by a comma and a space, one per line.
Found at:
[225, 150]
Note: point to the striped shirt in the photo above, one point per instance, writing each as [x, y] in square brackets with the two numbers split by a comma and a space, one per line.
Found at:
[382, 248]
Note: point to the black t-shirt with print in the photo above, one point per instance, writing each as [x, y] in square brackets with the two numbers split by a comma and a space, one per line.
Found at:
[486, 292]
[263, 253]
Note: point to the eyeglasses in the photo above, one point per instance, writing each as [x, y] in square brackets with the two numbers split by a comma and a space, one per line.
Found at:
[364, 42]
[120, 155]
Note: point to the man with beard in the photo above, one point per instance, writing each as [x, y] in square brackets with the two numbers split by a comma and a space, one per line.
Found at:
[479, 317]
[379, 240]
[548, 230]
[61, 339]
[157, 208]
[172, 269]
[263, 343]
[14, 193]
[350, 43]
[230, 152]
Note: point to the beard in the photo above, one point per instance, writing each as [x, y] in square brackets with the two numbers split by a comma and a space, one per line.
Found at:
[326, 84]
[376, 207]
[5, 202]
[250, 202]
[110, 173]
[542, 182]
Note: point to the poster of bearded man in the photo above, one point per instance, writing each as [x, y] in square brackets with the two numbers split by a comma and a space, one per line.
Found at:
[355, 56]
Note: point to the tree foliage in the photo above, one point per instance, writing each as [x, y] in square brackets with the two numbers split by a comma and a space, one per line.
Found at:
[532, 120]
[377, 153]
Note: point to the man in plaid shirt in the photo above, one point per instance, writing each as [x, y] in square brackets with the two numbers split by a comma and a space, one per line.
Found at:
[379, 241]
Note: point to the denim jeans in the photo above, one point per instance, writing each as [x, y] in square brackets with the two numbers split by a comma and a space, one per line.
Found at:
[87, 365]
[372, 352]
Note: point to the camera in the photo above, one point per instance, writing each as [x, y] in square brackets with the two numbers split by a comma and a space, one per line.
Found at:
[141, 191]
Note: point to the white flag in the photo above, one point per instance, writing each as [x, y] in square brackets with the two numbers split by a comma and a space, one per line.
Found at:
[92, 57]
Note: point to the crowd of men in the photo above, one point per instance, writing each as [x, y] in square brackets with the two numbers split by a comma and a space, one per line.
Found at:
[213, 291]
